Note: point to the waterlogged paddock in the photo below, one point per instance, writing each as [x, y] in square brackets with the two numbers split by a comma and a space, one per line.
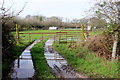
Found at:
[23, 66]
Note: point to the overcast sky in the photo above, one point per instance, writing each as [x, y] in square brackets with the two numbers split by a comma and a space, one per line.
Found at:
[62, 8]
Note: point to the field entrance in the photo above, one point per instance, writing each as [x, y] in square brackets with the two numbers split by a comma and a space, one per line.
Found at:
[59, 36]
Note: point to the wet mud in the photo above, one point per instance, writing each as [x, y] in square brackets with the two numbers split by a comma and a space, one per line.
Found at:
[59, 65]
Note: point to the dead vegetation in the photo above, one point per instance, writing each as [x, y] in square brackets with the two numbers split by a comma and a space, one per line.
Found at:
[98, 45]
[101, 44]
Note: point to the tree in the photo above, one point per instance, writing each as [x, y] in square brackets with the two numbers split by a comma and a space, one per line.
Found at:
[83, 22]
[6, 17]
[75, 22]
[97, 22]
[54, 21]
[110, 10]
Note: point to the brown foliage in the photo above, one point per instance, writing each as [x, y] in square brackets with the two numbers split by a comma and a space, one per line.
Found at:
[101, 44]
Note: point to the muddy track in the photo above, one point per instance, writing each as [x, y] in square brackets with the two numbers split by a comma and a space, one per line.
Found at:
[23, 66]
[59, 65]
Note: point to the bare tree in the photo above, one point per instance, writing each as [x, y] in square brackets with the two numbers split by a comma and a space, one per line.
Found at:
[83, 22]
[6, 14]
[6, 17]
[96, 22]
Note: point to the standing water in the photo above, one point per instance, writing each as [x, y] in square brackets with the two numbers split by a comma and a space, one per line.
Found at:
[59, 65]
[23, 66]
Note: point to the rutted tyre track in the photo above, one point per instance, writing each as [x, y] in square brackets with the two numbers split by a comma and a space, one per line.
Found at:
[59, 65]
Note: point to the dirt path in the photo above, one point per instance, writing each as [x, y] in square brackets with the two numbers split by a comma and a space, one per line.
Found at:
[23, 66]
[59, 65]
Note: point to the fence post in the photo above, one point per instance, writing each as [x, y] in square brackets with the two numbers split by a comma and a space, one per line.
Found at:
[17, 33]
[54, 38]
[59, 37]
[66, 37]
[72, 39]
[42, 36]
[29, 37]
[83, 35]
[18, 64]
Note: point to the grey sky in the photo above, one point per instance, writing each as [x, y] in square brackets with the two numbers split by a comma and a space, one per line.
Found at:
[62, 8]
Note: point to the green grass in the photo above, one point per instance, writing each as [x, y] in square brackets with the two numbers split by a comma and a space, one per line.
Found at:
[86, 61]
[96, 32]
[27, 37]
[37, 31]
[40, 64]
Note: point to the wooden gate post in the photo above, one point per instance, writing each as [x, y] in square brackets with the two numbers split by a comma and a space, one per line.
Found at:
[54, 38]
[42, 36]
[29, 37]
[83, 35]
[66, 37]
[17, 34]
[60, 37]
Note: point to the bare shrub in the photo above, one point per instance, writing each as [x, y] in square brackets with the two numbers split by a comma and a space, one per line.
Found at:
[101, 44]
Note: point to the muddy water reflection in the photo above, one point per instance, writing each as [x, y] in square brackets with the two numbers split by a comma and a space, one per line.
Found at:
[57, 62]
[23, 66]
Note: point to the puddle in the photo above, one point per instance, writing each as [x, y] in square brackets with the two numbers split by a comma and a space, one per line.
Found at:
[59, 65]
[23, 66]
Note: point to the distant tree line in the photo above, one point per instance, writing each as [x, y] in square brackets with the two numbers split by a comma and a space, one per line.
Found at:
[42, 22]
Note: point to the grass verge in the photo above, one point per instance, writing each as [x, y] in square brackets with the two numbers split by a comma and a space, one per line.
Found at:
[87, 62]
[40, 64]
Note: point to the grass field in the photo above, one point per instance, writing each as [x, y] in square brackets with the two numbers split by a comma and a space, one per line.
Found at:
[87, 62]
[37, 36]
[29, 37]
